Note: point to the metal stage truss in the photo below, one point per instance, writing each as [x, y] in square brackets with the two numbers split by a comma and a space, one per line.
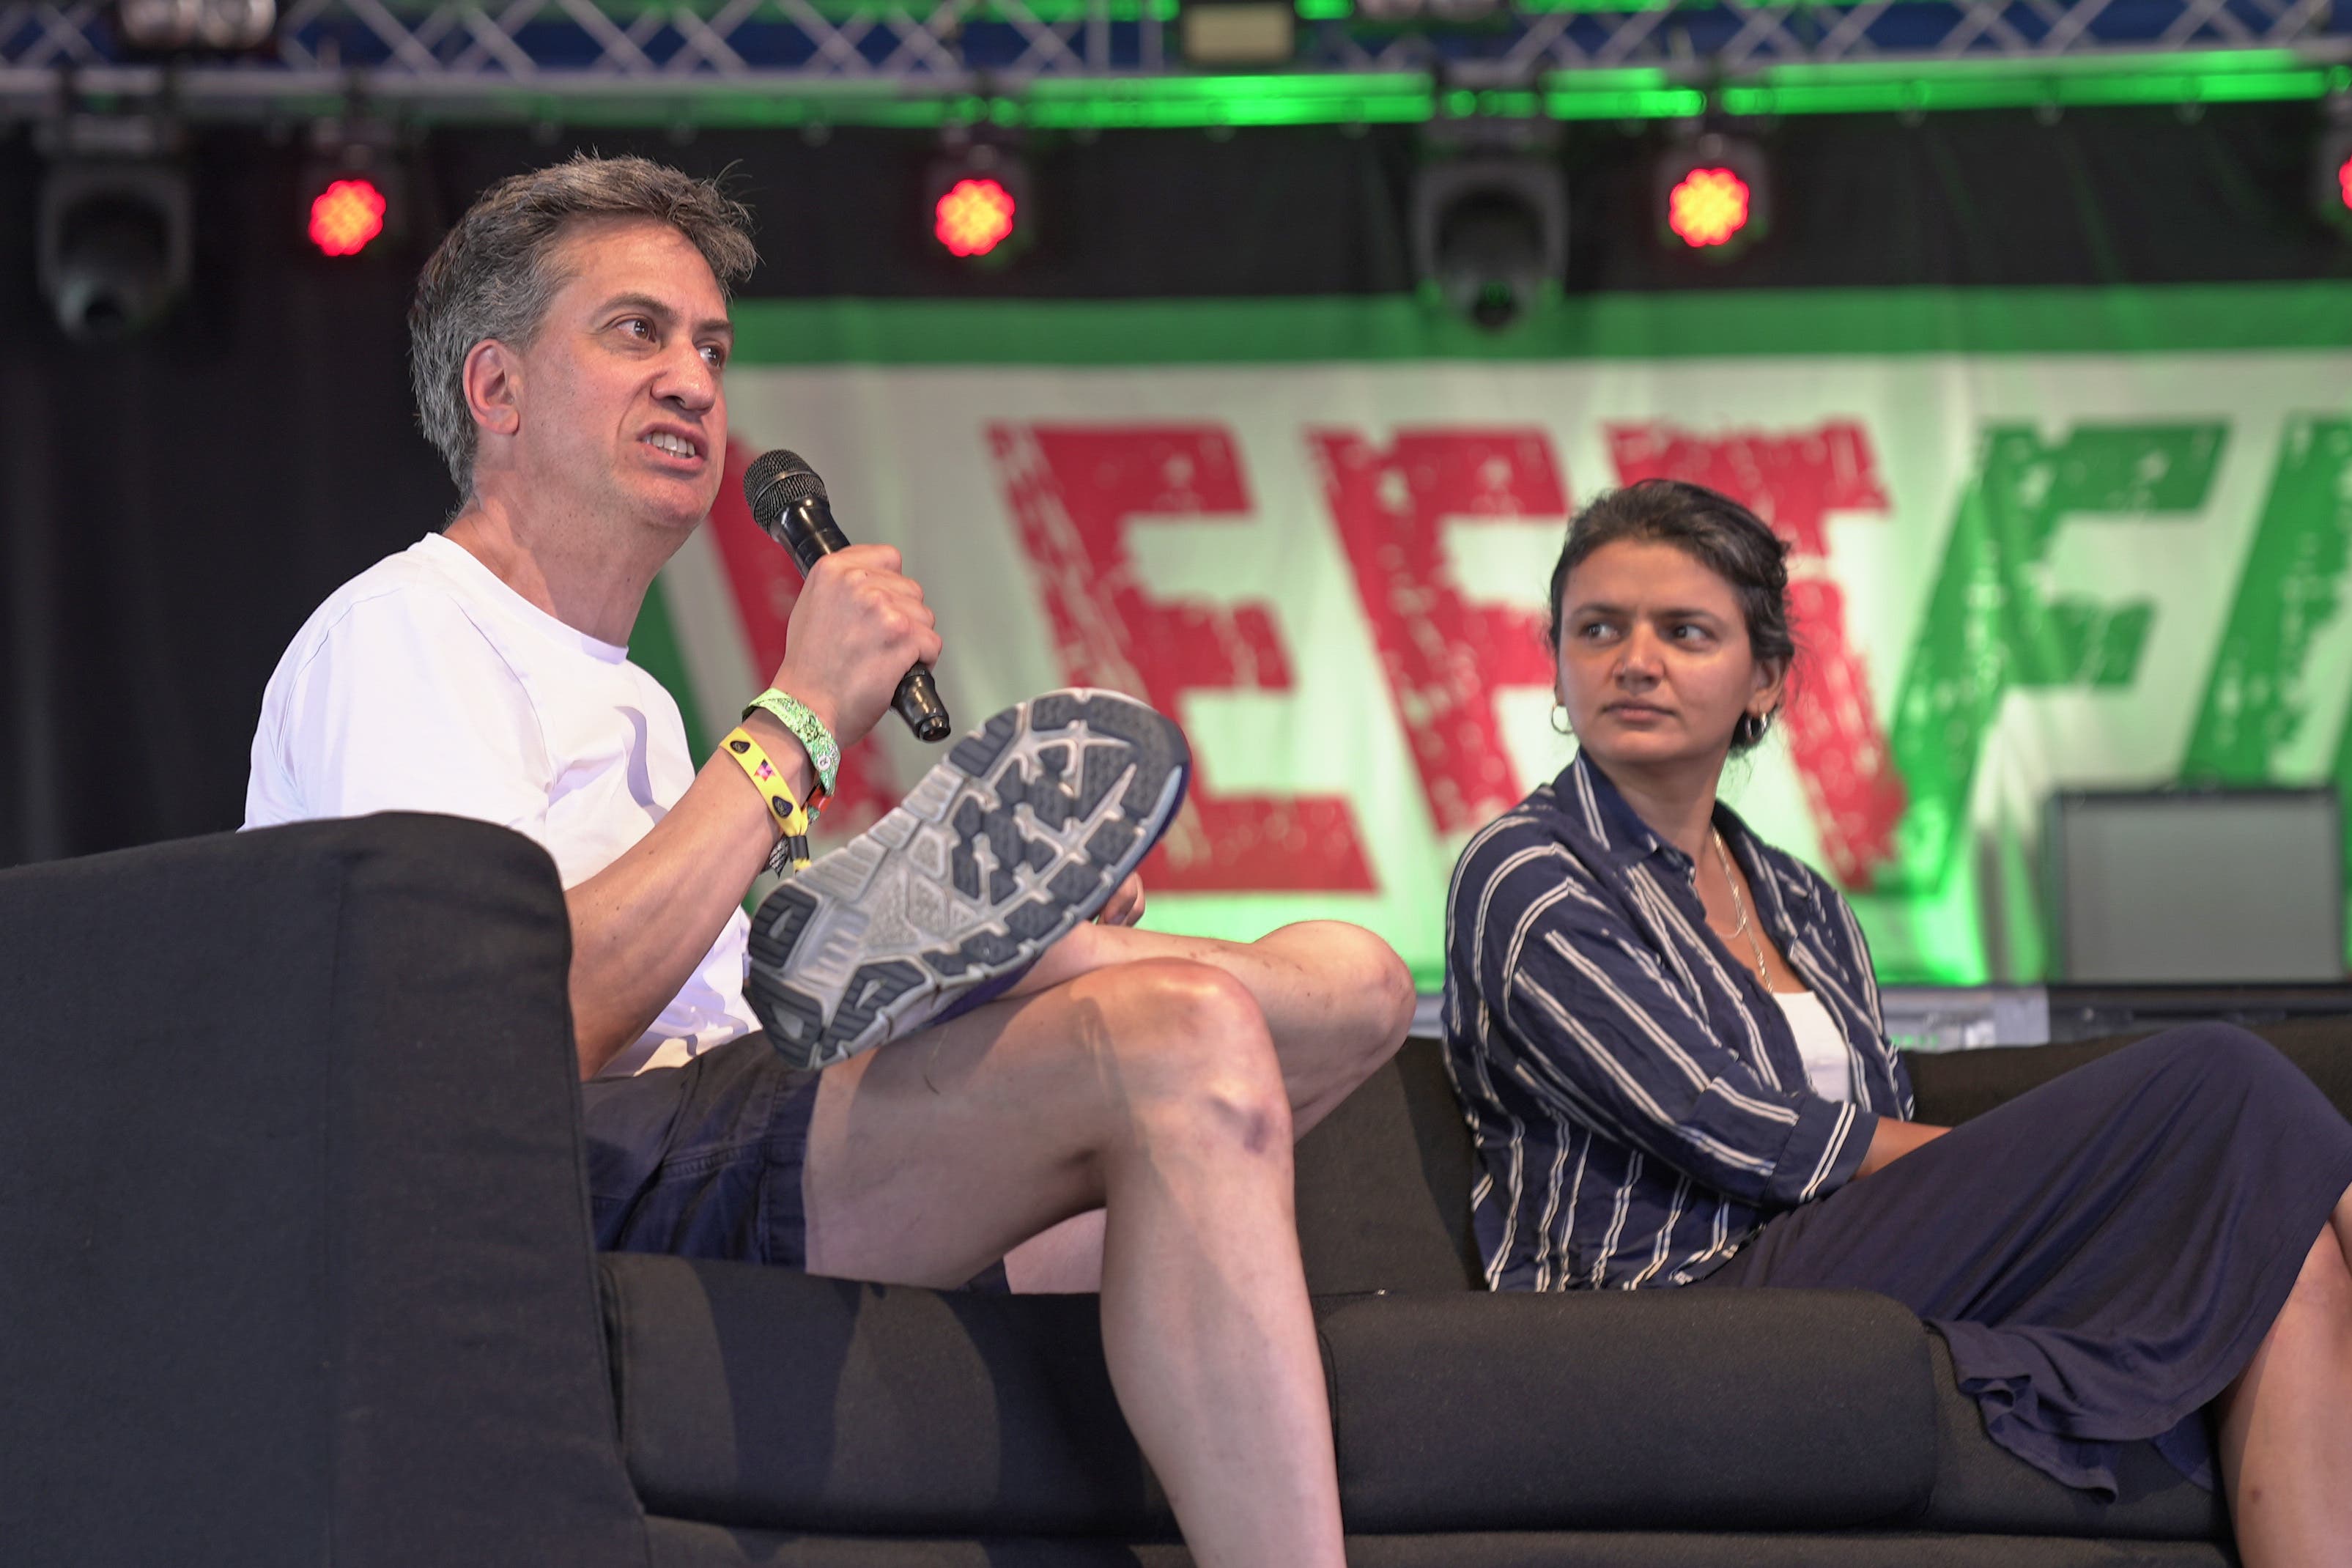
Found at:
[1079, 64]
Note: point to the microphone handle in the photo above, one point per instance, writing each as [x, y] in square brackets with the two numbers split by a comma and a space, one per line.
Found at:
[918, 702]
[808, 530]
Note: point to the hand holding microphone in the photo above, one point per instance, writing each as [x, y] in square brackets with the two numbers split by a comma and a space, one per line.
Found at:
[837, 632]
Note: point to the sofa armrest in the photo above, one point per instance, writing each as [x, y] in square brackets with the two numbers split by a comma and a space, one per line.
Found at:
[297, 1259]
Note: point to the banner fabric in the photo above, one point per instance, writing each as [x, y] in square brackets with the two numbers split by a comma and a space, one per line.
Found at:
[2012, 572]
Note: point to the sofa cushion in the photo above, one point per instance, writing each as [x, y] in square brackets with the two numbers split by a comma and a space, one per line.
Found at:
[1690, 1410]
[1981, 1486]
[757, 1398]
[678, 1543]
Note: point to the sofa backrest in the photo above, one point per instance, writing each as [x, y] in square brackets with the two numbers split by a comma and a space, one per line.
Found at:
[1384, 1184]
[1384, 1181]
[294, 1254]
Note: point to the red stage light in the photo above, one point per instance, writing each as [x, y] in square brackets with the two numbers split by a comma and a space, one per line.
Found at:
[1707, 206]
[974, 218]
[346, 215]
[2344, 183]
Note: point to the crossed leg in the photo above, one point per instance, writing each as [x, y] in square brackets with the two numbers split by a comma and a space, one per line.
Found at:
[1336, 999]
[1150, 1089]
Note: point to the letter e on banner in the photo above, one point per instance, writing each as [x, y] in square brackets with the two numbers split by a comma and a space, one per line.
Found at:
[1072, 491]
[1793, 480]
[1443, 653]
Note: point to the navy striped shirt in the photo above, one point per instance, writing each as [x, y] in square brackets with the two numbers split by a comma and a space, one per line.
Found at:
[1639, 1101]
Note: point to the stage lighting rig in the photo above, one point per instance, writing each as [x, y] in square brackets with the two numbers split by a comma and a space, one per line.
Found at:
[352, 194]
[194, 27]
[1490, 234]
[1238, 32]
[976, 203]
[1714, 195]
[1404, 12]
[112, 231]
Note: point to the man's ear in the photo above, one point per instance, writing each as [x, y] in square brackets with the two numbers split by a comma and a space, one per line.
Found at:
[492, 380]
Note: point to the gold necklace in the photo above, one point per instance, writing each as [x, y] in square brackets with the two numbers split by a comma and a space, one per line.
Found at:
[1732, 882]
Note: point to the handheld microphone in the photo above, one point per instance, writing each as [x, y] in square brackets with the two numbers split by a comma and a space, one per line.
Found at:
[788, 502]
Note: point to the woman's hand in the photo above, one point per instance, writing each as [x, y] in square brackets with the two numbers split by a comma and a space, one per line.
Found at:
[1895, 1139]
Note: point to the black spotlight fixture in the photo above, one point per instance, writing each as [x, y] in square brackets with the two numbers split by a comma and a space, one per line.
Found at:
[1713, 195]
[113, 245]
[1490, 234]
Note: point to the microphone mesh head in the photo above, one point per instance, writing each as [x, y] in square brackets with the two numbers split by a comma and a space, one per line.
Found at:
[778, 479]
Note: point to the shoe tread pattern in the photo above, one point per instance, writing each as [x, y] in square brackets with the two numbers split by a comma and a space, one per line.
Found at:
[1038, 834]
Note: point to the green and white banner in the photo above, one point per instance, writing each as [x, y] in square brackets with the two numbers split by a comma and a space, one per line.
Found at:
[2040, 541]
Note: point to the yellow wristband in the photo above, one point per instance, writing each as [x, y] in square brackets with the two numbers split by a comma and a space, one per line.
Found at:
[785, 812]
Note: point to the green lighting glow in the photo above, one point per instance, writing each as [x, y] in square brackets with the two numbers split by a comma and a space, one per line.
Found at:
[1190, 101]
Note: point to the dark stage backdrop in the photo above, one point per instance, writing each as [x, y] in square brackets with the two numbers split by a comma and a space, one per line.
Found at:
[170, 510]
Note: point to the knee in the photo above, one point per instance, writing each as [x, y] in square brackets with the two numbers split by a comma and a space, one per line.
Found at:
[1366, 977]
[2223, 1046]
[2202, 1058]
[1194, 1060]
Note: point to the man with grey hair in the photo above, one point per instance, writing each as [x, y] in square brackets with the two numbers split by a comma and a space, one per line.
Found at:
[1119, 1113]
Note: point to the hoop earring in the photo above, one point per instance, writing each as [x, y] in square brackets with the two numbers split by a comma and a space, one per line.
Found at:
[1559, 725]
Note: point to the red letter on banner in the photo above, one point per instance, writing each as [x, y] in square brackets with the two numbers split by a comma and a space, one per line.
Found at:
[1443, 653]
[766, 585]
[1793, 481]
[1073, 492]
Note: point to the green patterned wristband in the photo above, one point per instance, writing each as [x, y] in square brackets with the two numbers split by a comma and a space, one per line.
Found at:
[809, 729]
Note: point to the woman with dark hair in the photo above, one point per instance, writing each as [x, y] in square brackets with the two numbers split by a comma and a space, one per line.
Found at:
[1668, 1040]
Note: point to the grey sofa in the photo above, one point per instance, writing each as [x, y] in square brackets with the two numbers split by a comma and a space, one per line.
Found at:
[295, 1268]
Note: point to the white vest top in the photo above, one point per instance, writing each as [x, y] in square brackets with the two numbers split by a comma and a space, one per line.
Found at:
[1828, 1062]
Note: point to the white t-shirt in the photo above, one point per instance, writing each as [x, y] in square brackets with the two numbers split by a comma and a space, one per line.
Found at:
[1828, 1060]
[426, 684]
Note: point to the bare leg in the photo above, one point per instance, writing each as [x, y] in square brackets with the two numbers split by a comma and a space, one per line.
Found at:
[1337, 1001]
[1150, 1089]
[2286, 1423]
[1336, 998]
[1064, 1260]
[2340, 1221]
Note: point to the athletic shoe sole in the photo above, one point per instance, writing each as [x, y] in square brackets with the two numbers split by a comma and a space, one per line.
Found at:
[1024, 830]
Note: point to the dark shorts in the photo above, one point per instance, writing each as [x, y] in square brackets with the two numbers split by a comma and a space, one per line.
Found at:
[704, 1159]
